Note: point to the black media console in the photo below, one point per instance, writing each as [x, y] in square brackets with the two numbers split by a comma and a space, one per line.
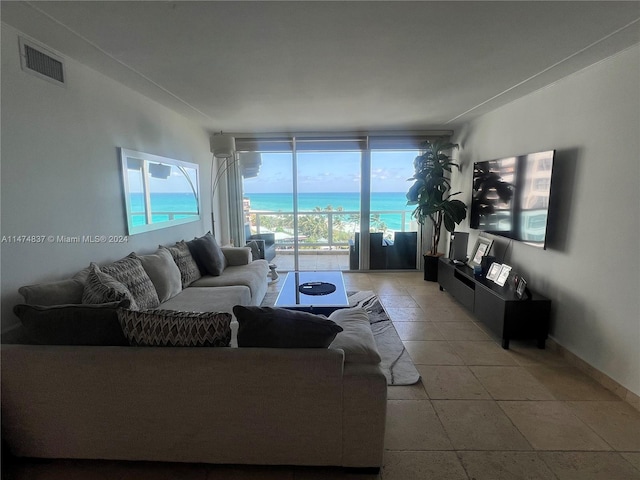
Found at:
[497, 307]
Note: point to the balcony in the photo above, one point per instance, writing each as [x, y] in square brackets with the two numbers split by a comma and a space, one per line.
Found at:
[325, 238]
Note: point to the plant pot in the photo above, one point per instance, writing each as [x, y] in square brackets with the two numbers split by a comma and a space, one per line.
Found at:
[431, 267]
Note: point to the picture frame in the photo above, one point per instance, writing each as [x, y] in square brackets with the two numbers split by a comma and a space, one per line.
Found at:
[494, 271]
[521, 287]
[481, 248]
[505, 270]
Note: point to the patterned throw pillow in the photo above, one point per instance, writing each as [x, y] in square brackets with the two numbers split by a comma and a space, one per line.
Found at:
[176, 329]
[103, 288]
[130, 272]
[189, 271]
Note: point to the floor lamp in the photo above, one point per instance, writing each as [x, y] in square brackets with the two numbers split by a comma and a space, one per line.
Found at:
[223, 147]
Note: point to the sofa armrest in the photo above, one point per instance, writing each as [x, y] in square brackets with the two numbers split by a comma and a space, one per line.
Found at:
[364, 415]
[237, 255]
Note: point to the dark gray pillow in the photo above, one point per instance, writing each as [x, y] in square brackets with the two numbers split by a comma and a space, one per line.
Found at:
[76, 324]
[282, 328]
[207, 254]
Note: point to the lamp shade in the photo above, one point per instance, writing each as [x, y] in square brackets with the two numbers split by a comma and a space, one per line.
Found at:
[250, 164]
[223, 146]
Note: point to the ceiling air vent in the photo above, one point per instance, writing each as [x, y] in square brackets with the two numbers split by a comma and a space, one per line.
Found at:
[40, 62]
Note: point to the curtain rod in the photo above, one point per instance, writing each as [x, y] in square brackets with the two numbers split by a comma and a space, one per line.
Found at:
[335, 135]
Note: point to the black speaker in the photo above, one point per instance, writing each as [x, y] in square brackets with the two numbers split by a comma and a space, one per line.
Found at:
[458, 246]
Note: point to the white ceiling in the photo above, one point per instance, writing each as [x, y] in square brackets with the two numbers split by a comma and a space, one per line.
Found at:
[297, 66]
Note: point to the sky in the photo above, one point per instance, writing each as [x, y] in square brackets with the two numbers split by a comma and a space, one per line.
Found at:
[321, 172]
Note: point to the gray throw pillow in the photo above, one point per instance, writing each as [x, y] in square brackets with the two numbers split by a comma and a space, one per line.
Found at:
[103, 288]
[207, 254]
[189, 271]
[73, 324]
[176, 329]
[130, 272]
[163, 272]
[282, 328]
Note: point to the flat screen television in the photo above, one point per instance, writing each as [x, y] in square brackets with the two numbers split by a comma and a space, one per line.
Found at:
[511, 197]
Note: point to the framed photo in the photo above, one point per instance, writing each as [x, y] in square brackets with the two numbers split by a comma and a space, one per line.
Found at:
[482, 248]
[494, 271]
[521, 287]
[503, 275]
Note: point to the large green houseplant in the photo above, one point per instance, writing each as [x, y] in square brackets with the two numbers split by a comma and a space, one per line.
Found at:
[431, 192]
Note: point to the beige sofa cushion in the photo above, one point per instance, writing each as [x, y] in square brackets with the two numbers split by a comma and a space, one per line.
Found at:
[237, 255]
[253, 275]
[163, 272]
[356, 338]
[53, 293]
[204, 299]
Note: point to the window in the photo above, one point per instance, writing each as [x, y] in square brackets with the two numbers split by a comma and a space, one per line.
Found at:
[320, 196]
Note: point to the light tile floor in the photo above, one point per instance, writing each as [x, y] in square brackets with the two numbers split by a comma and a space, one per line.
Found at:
[480, 412]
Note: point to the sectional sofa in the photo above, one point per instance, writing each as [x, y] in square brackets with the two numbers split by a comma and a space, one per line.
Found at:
[71, 398]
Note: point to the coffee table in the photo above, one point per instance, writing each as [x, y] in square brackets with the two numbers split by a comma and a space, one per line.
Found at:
[291, 296]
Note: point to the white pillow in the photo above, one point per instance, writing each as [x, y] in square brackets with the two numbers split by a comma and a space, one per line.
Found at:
[356, 338]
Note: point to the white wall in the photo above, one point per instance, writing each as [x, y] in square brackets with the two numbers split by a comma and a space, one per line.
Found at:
[591, 269]
[60, 169]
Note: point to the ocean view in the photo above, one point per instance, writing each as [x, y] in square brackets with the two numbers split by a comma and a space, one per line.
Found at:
[349, 201]
[283, 202]
[163, 202]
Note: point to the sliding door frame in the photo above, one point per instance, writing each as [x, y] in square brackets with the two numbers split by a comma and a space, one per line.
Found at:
[287, 142]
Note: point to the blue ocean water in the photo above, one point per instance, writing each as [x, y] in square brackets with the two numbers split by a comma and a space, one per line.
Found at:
[281, 202]
[163, 202]
[349, 201]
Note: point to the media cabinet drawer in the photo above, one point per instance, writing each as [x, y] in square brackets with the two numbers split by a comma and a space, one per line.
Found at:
[490, 310]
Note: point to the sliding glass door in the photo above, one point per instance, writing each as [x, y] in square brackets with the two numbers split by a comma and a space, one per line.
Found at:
[332, 203]
[393, 231]
[328, 208]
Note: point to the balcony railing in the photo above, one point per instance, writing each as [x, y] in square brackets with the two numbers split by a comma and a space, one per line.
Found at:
[332, 230]
[139, 218]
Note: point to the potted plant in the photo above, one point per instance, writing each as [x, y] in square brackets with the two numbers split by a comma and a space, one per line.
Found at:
[430, 193]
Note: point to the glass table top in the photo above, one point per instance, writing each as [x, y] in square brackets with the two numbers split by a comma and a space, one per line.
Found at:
[290, 295]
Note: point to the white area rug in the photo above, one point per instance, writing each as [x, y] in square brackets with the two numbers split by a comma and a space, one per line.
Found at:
[396, 363]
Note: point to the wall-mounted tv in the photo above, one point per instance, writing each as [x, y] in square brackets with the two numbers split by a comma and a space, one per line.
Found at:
[511, 197]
